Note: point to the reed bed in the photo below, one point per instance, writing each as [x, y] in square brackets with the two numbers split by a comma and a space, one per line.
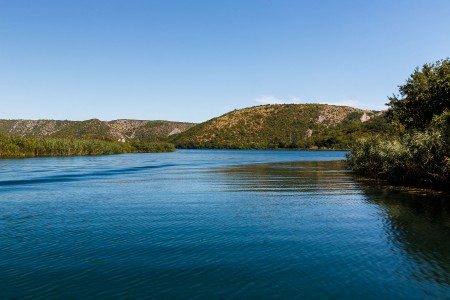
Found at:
[12, 146]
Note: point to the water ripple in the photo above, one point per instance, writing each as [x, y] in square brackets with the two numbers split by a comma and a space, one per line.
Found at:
[214, 229]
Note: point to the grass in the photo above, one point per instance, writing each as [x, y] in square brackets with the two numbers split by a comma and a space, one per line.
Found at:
[17, 146]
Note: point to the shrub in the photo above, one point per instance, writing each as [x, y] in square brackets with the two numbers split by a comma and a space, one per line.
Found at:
[419, 158]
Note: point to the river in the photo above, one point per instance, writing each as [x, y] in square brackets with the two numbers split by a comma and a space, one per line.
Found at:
[216, 224]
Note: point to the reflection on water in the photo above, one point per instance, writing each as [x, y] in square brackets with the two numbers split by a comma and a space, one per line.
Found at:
[419, 223]
[291, 177]
[216, 224]
[416, 222]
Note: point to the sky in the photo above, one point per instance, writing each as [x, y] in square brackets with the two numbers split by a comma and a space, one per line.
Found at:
[194, 60]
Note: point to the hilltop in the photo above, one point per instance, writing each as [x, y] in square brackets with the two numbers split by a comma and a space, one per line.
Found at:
[118, 130]
[300, 126]
[305, 126]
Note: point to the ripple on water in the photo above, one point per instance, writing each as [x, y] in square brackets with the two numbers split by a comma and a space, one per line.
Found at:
[212, 224]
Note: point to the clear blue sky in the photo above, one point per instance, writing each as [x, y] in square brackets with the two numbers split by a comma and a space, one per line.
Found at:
[193, 60]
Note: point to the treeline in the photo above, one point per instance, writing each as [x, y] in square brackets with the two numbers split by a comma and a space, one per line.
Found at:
[12, 146]
[419, 153]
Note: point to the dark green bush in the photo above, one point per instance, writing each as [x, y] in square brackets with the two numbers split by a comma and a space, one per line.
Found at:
[152, 147]
[420, 153]
[418, 158]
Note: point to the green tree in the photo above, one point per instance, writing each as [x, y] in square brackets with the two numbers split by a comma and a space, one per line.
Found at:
[421, 154]
[426, 95]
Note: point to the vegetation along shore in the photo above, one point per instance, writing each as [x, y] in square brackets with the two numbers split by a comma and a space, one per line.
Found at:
[13, 146]
[418, 151]
[407, 144]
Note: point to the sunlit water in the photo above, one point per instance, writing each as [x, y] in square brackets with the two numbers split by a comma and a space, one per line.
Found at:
[216, 224]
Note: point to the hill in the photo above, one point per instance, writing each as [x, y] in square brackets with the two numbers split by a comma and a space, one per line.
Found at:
[117, 130]
[305, 126]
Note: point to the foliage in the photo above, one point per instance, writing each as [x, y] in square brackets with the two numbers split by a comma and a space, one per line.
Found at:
[420, 153]
[425, 95]
[18, 146]
[144, 147]
[419, 158]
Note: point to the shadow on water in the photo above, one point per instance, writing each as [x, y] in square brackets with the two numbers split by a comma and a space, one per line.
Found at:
[415, 221]
[418, 222]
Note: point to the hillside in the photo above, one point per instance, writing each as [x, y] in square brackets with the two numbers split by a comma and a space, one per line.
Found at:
[305, 126]
[117, 130]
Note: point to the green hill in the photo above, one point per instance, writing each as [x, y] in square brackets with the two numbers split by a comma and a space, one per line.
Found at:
[305, 126]
[117, 130]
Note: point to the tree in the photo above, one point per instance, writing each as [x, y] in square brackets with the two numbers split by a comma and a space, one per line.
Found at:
[424, 97]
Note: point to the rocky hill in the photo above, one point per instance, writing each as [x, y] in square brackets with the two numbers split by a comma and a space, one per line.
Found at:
[306, 126]
[118, 130]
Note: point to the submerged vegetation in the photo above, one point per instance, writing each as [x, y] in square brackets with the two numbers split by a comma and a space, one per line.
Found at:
[419, 152]
[12, 146]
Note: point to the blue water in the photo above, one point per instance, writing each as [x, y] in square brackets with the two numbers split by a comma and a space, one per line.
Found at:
[216, 225]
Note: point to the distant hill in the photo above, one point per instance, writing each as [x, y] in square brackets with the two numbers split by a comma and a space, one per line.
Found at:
[117, 130]
[306, 126]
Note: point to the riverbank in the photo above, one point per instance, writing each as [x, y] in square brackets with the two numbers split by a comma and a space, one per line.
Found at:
[213, 220]
[417, 159]
[18, 147]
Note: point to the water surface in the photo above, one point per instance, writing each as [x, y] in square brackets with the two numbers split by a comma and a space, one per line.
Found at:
[216, 224]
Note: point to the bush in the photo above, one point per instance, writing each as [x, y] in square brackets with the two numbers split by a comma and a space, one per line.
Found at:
[420, 154]
[418, 158]
[144, 147]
